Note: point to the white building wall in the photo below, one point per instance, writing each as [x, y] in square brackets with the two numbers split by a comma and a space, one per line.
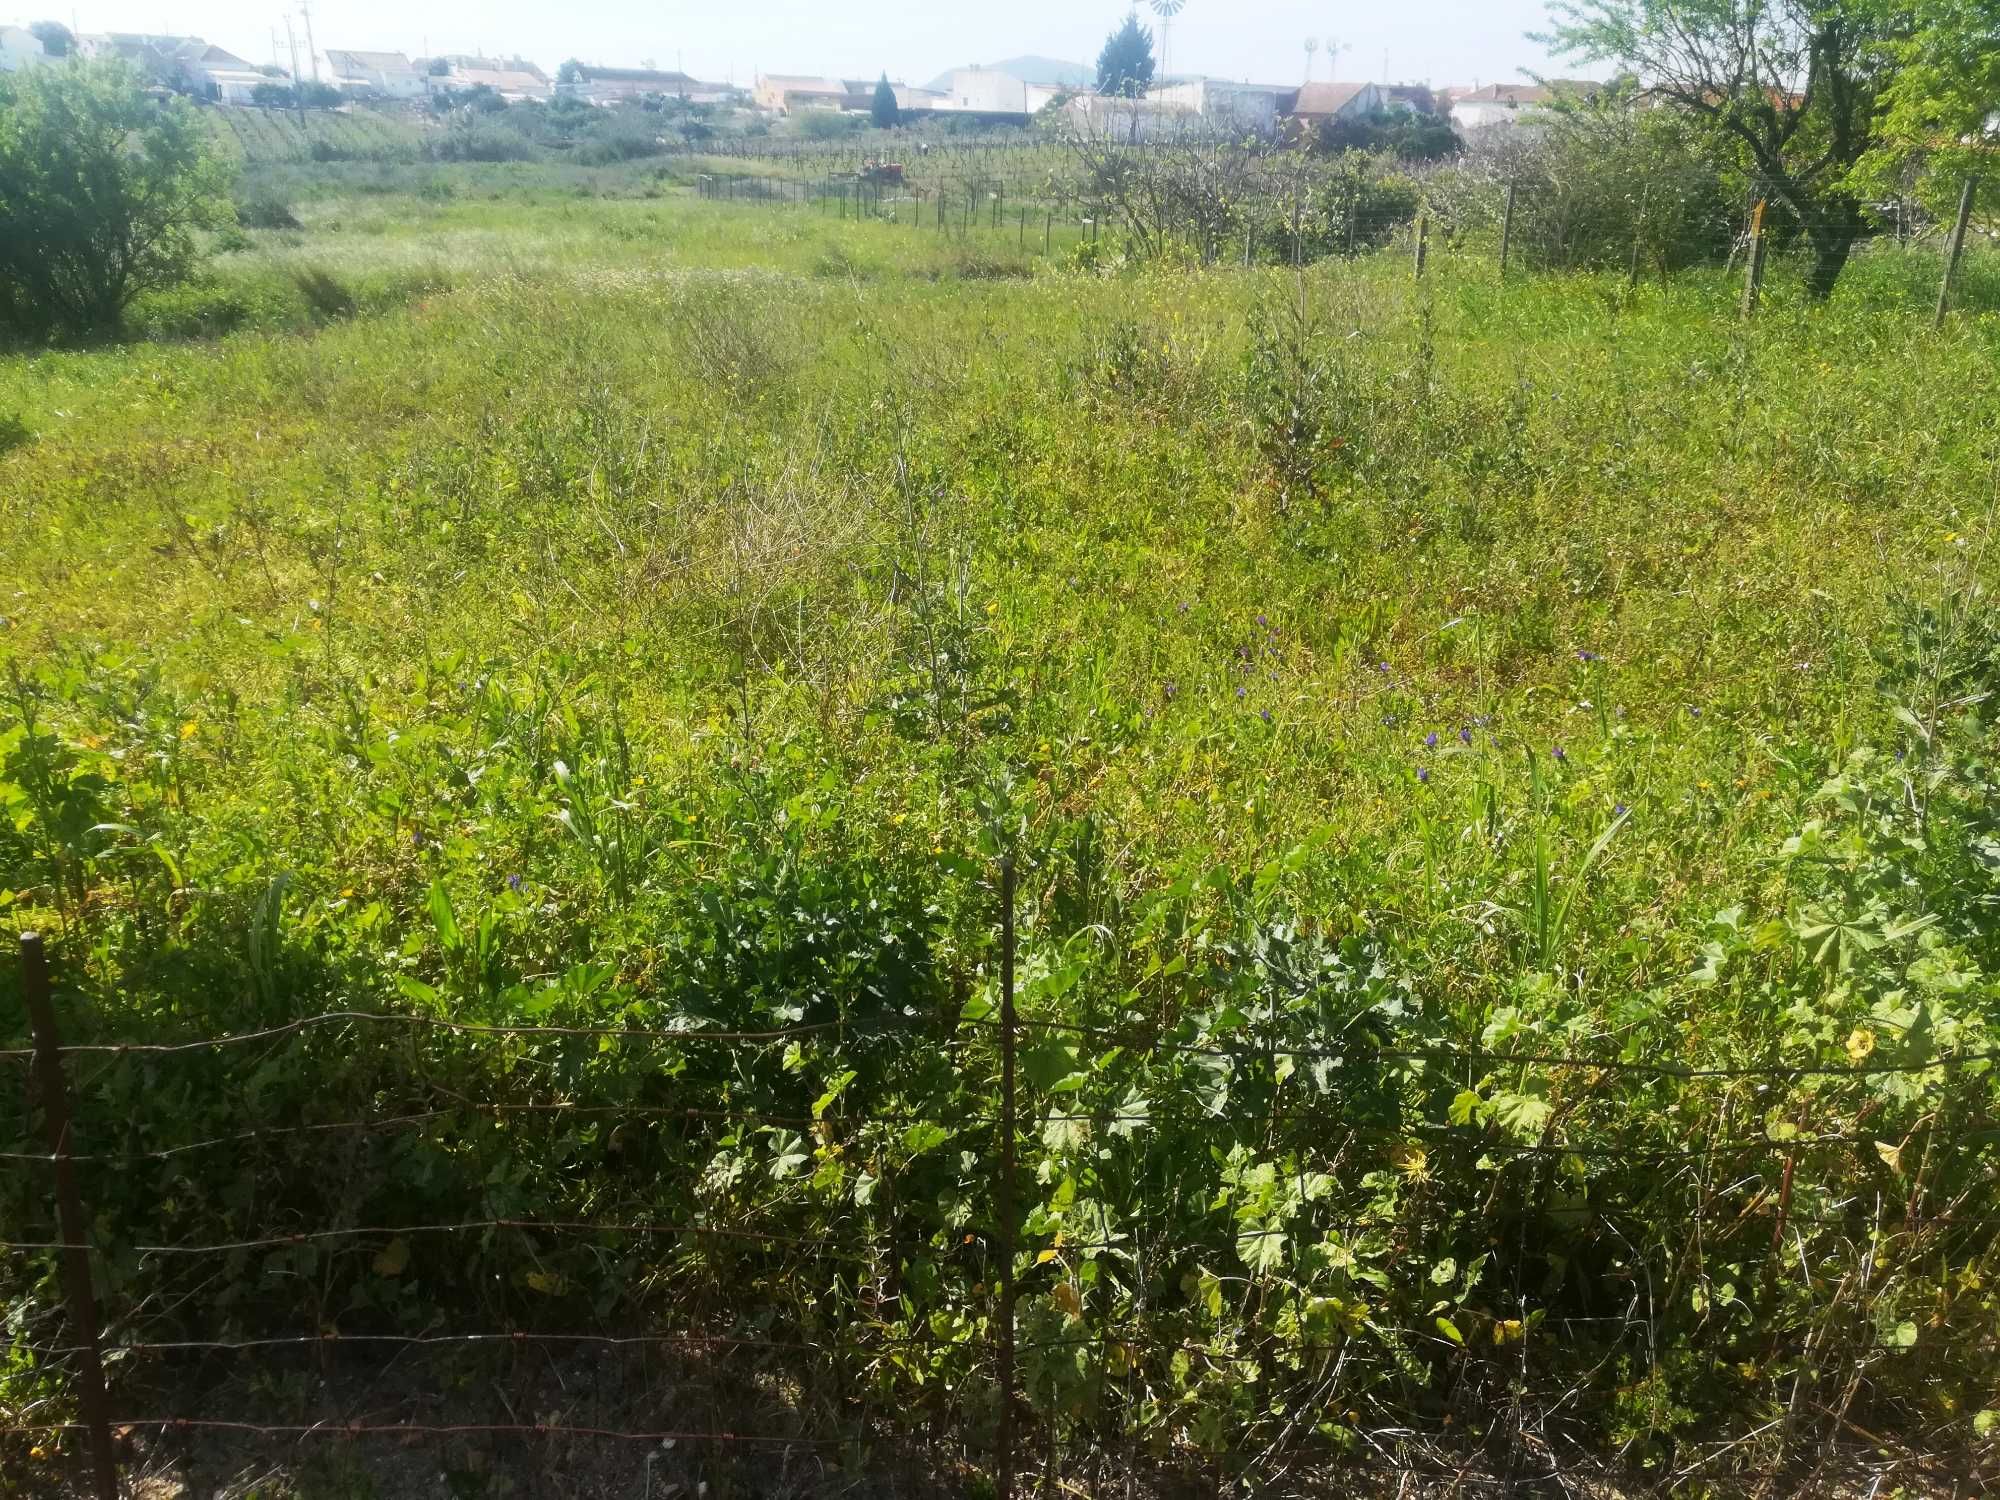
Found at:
[1224, 105]
[20, 48]
[990, 91]
[1469, 116]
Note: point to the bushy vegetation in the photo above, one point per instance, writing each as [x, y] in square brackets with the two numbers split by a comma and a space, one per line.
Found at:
[1384, 688]
[102, 193]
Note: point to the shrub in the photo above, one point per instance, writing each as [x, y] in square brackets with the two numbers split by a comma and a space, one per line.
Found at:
[481, 140]
[827, 124]
[625, 142]
[14, 434]
[1602, 177]
[266, 213]
[101, 191]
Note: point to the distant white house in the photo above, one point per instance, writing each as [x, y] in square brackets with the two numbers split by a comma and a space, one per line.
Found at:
[513, 78]
[990, 91]
[909, 98]
[789, 93]
[608, 86]
[384, 75]
[20, 48]
[1106, 117]
[1508, 104]
[1317, 103]
[1244, 108]
[223, 76]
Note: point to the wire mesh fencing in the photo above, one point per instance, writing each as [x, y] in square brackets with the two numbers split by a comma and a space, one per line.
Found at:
[1217, 206]
[1006, 1236]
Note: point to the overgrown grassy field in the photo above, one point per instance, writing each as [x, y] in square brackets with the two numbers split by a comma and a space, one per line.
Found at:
[1501, 777]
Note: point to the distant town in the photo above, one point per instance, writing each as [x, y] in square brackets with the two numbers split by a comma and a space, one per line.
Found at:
[1015, 91]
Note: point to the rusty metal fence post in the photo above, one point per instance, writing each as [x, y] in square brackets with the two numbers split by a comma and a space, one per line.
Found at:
[1004, 1466]
[69, 1215]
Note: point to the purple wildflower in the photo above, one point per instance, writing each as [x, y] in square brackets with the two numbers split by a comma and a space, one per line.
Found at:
[1587, 656]
[1267, 716]
[1184, 606]
[1168, 689]
[1424, 775]
[1262, 623]
[1464, 735]
[1239, 695]
[513, 882]
[1560, 754]
[1696, 711]
[1431, 740]
[1620, 810]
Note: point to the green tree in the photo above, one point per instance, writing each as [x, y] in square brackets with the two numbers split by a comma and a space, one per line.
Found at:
[1796, 86]
[1403, 133]
[884, 107]
[1125, 66]
[57, 40]
[1939, 123]
[101, 191]
[570, 72]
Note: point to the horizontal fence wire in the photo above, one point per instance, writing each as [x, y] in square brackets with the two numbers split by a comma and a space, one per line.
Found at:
[1366, 1052]
[423, 1429]
[1751, 1204]
[1759, 1207]
[1409, 1132]
[471, 1028]
[1251, 1050]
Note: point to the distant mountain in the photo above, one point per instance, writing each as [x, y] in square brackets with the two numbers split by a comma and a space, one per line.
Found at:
[1049, 70]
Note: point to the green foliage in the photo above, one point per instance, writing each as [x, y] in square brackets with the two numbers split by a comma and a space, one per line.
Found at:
[660, 619]
[882, 110]
[825, 124]
[1125, 66]
[1793, 89]
[1938, 122]
[1601, 179]
[57, 40]
[101, 192]
[1403, 134]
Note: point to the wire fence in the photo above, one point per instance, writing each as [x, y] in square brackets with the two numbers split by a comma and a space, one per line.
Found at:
[1289, 210]
[1009, 1366]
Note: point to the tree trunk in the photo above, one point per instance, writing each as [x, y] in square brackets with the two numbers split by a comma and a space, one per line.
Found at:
[1833, 240]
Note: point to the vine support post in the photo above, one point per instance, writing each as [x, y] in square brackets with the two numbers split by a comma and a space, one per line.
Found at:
[70, 1220]
[1004, 1467]
[1423, 238]
[1507, 227]
[1753, 273]
[1955, 248]
[1639, 236]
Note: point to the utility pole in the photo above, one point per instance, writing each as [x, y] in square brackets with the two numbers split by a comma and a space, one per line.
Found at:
[298, 99]
[312, 50]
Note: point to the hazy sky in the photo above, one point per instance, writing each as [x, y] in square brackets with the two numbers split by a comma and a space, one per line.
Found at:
[1444, 41]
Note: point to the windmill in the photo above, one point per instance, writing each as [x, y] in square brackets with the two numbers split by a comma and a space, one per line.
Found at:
[1166, 10]
[1312, 47]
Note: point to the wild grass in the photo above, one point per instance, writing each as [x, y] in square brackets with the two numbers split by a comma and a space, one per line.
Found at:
[670, 609]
